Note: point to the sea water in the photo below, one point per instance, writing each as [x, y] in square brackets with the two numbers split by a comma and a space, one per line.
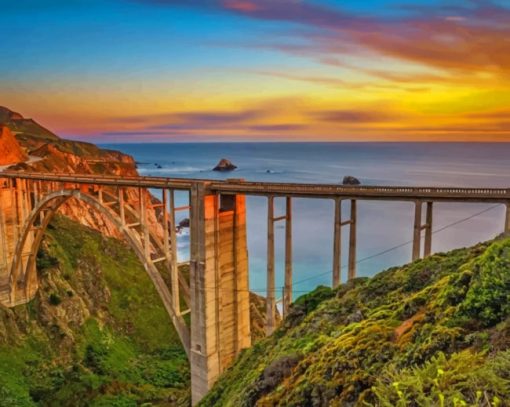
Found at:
[384, 228]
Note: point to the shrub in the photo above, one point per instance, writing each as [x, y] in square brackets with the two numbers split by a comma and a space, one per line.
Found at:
[54, 299]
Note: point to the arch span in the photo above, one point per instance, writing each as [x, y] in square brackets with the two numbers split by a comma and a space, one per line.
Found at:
[38, 220]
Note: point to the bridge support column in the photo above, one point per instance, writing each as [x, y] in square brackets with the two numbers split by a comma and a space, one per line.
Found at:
[337, 243]
[270, 295]
[220, 306]
[172, 245]
[287, 294]
[418, 227]
[507, 218]
[417, 231]
[428, 230]
[352, 240]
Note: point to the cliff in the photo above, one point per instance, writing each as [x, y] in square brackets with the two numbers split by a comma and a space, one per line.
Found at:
[24, 127]
[10, 150]
[435, 332]
[58, 155]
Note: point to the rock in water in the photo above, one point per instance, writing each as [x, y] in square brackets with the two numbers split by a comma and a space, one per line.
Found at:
[184, 223]
[225, 165]
[350, 180]
[10, 150]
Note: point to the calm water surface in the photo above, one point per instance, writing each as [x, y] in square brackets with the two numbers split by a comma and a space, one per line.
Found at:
[381, 225]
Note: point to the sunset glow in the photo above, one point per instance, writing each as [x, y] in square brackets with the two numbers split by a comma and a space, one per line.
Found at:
[228, 70]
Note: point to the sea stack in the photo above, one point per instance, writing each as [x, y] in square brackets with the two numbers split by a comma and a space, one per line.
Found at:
[225, 165]
[10, 150]
[350, 180]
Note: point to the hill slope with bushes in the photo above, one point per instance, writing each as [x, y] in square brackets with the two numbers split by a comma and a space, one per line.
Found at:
[435, 332]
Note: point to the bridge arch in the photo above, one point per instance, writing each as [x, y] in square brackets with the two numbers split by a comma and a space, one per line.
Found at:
[38, 220]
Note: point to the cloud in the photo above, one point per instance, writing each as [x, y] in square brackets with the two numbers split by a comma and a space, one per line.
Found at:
[321, 80]
[468, 36]
[352, 116]
[499, 114]
[240, 5]
[195, 119]
[277, 127]
[243, 121]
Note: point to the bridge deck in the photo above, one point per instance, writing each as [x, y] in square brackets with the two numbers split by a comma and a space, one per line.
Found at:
[390, 193]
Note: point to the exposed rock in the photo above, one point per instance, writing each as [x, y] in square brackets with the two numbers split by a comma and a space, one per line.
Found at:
[24, 127]
[258, 316]
[272, 377]
[184, 223]
[350, 180]
[73, 157]
[7, 115]
[356, 316]
[225, 165]
[10, 150]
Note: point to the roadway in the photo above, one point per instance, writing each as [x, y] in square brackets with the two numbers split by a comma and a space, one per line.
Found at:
[236, 186]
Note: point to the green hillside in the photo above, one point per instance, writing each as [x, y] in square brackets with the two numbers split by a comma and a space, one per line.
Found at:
[433, 333]
[96, 334]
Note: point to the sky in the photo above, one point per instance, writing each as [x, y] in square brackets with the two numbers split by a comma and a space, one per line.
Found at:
[259, 70]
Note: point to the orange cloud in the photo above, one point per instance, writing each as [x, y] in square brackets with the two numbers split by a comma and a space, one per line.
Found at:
[240, 5]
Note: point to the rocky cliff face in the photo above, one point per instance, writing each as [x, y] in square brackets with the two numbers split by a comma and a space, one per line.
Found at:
[57, 155]
[10, 150]
[22, 126]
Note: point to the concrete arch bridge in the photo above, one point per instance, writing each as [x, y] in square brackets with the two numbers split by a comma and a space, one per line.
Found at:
[216, 292]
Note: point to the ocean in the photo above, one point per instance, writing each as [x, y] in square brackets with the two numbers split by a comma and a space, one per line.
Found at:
[384, 228]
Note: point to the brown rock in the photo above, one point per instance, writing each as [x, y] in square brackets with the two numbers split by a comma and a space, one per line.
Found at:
[350, 180]
[10, 150]
[224, 165]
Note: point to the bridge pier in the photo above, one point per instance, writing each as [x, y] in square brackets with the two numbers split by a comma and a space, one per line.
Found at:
[220, 309]
[418, 227]
[287, 292]
[507, 218]
[15, 206]
[352, 240]
[270, 285]
[428, 230]
[337, 241]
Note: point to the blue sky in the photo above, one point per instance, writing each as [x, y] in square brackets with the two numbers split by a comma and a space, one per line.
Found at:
[80, 66]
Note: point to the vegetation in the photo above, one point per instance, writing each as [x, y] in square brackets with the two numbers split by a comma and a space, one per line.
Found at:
[96, 334]
[435, 332]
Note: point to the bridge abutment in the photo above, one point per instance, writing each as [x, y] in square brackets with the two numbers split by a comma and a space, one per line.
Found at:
[15, 207]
